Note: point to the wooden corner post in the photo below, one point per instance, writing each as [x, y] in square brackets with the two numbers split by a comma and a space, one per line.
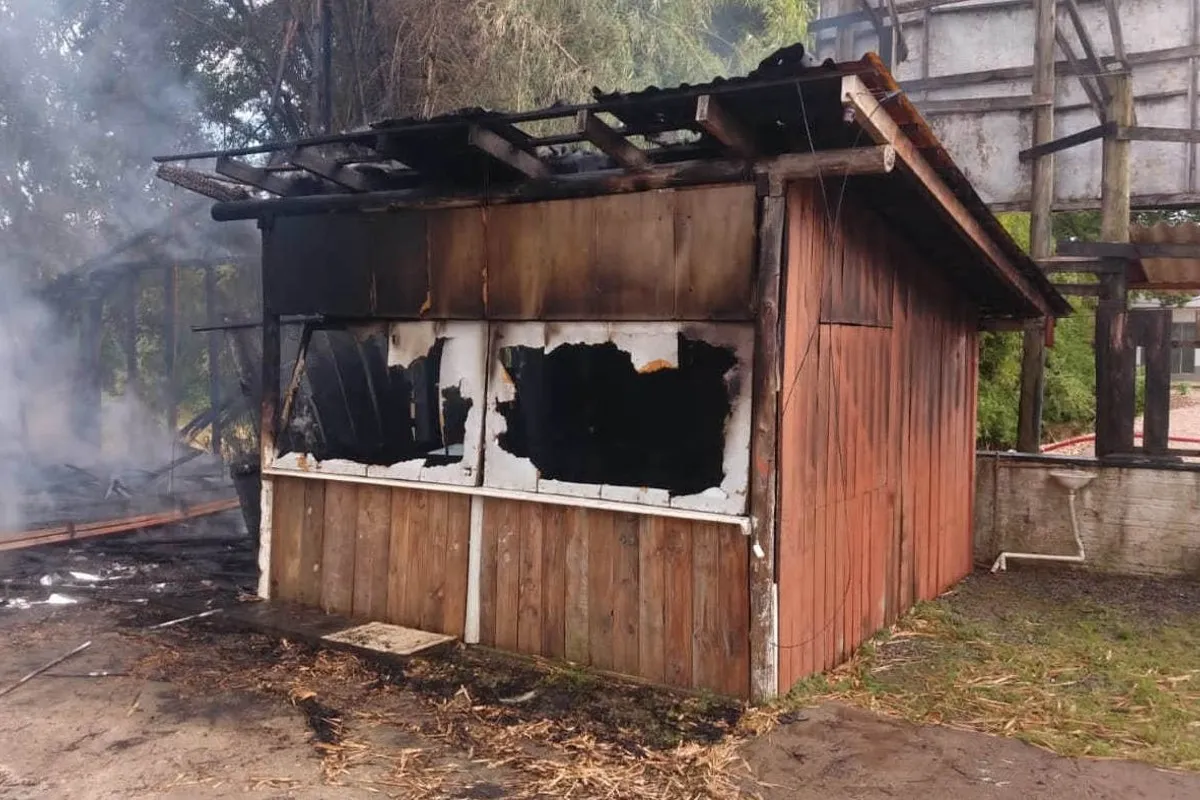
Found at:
[764, 447]
[1033, 355]
[268, 426]
[1115, 379]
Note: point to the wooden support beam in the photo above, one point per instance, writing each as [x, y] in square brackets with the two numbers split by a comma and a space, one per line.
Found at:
[214, 358]
[764, 449]
[1129, 250]
[1114, 27]
[252, 176]
[131, 333]
[170, 333]
[612, 143]
[1067, 142]
[718, 123]
[309, 160]
[1151, 134]
[1078, 289]
[508, 153]
[1080, 70]
[1152, 332]
[1089, 47]
[883, 129]
[1033, 343]
[1114, 356]
[855, 161]
[983, 105]
[1090, 266]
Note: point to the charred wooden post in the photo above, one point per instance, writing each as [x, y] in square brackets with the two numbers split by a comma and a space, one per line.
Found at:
[87, 397]
[1041, 242]
[214, 357]
[269, 406]
[131, 333]
[1115, 402]
[764, 474]
[170, 331]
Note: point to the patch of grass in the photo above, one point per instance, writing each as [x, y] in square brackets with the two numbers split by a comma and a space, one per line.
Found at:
[1074, 675]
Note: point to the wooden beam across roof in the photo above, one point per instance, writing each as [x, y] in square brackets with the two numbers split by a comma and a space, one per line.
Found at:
[870, 160]
[252, 176]
[503, 150]
[1099, 105]
[309, 160]
[879, 124]
[1130, 250]
[718, 123]
[611, 142]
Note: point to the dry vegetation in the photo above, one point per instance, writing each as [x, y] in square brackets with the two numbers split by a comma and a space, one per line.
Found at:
[1080, 666]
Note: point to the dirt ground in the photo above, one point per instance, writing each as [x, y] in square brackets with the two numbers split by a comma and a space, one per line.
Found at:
[199, 711]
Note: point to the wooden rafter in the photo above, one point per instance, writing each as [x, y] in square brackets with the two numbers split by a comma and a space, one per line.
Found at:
[252, 176]
[1089, 47]
[1067, 142]
[309, 160]
[718, 123]
[611, 142]
[1114, 26]
[884, 130]
[1098, 103]
[508, 153]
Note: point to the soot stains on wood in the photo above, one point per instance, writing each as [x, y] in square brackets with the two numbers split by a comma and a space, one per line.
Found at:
[584, 414]
[353, 406]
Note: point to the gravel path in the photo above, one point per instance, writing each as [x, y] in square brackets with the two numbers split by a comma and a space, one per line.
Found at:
[1185, 421]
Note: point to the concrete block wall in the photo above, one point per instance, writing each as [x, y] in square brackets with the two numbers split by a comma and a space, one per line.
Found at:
[1133, 520]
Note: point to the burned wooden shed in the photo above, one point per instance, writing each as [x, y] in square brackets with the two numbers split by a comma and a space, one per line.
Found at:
[682, 389]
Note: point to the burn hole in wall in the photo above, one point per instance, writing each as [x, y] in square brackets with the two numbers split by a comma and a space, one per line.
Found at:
[583, 413]
[351, 405]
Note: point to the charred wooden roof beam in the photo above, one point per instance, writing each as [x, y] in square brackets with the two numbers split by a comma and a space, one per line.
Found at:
[612, 142]
[252, 176]
[721, 125]
[506, 151]
[342, 175]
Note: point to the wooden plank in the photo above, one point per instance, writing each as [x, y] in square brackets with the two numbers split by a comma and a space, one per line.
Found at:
[764, 454]
[337, 560]
[633, 267]
[488, 573]
[554, 581]
[734, 588]
[310, 160]
[1066, 142]
[457, 264]
[829, 591]
[415, 556]
[398, 556]
[715, 120]
[287, 528]
[611, 143]
[714, 252]
[454, 581]
[312, 542]
[529, 596]
[884, 130]
[1143, 133]
[677, 586]
[577, 636]
[504, 150]
[507, 520]
[602, 557]
[626, 594]
[707, 636]
[371, 546]
[252, 176]
[652, 599]
[433, 566]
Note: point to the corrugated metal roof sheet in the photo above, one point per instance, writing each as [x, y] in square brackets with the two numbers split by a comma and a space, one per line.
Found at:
[1175, 273]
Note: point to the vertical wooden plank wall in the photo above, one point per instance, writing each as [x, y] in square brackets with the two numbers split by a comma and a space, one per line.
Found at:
[372, 552]
[876, 434]
[662, 599]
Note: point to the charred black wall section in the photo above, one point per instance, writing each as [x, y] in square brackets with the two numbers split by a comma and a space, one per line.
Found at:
[354, 406]
[583, 414]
